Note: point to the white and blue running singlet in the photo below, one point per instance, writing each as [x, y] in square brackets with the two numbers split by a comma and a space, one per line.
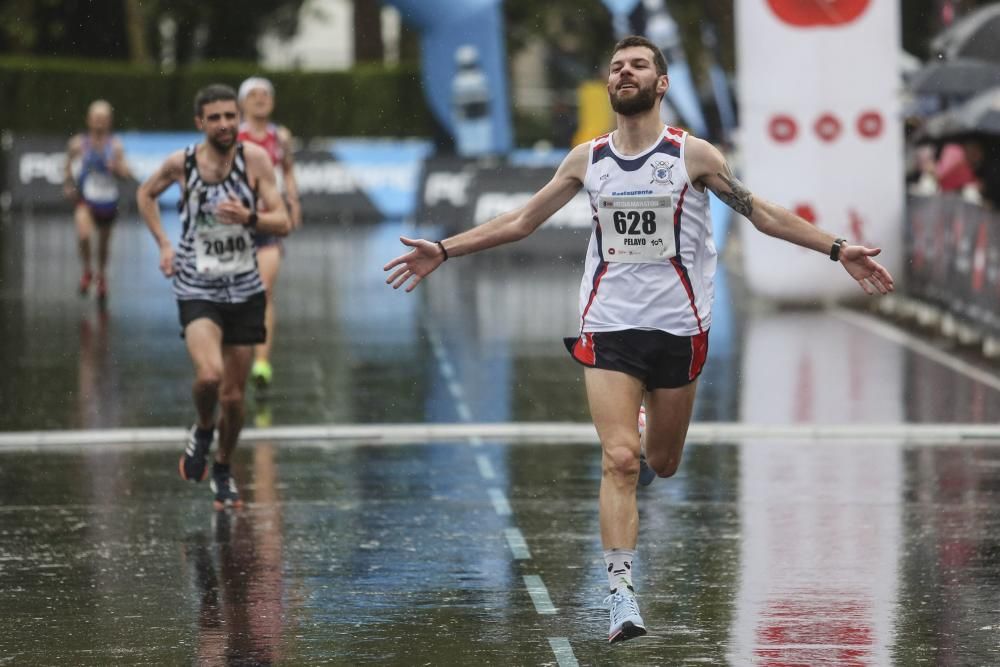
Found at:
[651, 259]
[94, 179]
[215, 262]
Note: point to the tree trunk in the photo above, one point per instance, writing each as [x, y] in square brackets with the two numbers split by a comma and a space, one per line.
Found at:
[135, 28]
[368, 32]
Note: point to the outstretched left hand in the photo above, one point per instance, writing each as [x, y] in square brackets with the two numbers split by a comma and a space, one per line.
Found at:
[872, 276]
[416, 264]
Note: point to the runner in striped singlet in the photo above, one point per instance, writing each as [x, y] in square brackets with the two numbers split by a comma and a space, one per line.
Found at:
[646, 294]
[216, 281]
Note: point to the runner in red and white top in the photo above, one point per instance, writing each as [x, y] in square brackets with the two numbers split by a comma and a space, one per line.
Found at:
[256, 99]
[646, 295]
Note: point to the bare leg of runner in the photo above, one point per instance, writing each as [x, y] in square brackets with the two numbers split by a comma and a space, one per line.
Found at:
[614, 399]
[668, 415]
[234, 379]
[204, 343]
[84, 222]
[614, 402]
[103, 252]
[269, 263]
[237, 359]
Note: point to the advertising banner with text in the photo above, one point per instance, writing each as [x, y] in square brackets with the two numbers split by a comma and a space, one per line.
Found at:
[345, 180]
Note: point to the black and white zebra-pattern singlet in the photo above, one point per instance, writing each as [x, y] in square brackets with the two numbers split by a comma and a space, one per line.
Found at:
[215, 262]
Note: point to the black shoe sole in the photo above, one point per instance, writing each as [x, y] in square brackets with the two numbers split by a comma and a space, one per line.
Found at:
[180, 469]
[629, 631]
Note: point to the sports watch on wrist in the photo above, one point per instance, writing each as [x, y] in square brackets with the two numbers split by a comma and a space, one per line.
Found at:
[835, 249]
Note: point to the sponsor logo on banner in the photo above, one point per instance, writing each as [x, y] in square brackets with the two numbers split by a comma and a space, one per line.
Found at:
[48, 167]
[815, 13]
[446, 192]
[447, 187]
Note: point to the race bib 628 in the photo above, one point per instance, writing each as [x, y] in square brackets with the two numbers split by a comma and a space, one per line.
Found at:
[637, 229]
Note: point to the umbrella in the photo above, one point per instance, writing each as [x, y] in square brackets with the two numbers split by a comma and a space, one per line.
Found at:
[972, 36]
[981, 114]
[978, 116]
[956, 78]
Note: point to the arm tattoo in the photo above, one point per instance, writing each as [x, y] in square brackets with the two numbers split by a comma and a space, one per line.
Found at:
[738, 197]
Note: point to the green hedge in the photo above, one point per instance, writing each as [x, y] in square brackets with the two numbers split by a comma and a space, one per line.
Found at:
[51, 96]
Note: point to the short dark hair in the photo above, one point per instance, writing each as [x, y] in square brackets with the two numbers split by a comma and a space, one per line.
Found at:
[638, 40]
[216, 92]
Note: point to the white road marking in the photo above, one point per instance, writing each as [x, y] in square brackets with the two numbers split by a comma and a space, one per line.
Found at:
[485, 467]
[500, 503]
[518, 545]
[563, 652]
[539, 594]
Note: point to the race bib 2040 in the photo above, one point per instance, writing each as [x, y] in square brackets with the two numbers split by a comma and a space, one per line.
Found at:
[222, 250]
[637, 229]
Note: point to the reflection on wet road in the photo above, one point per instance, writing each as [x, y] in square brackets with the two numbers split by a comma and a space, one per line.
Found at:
[761, 551]
[855, 553]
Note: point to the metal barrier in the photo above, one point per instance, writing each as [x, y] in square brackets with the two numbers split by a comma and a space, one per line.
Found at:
[953, 253]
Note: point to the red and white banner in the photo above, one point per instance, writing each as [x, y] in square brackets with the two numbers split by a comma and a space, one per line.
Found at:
[821, 135]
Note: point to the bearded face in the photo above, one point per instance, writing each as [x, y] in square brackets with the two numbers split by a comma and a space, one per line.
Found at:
[220, 122]
[630, 97]
[222, 139]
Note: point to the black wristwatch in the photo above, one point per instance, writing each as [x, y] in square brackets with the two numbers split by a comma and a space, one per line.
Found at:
[252, 220]
[835, 250]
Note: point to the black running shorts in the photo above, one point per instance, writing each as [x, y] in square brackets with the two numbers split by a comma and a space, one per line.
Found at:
[659, 359]
[241, 323]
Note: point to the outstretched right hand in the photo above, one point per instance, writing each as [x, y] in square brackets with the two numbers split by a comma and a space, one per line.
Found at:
[167, 260]
[416, 264]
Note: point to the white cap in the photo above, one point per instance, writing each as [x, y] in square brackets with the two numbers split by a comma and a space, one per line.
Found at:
[254, 82]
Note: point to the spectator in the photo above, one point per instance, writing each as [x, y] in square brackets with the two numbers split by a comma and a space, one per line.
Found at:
[982, 153]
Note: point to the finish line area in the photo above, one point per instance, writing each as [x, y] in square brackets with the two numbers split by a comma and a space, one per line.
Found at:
[535, 433]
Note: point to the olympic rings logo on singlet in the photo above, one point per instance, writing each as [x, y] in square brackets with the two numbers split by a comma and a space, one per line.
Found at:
[637, 229]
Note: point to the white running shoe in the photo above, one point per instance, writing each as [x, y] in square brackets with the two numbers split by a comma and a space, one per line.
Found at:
[646, 474]
[626, 623]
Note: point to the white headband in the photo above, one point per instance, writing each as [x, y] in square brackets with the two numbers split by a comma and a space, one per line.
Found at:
[255, 82]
